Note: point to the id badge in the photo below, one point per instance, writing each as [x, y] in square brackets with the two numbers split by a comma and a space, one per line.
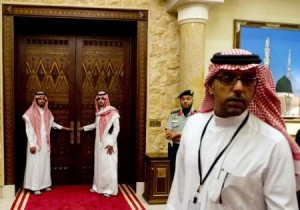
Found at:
[194, 206]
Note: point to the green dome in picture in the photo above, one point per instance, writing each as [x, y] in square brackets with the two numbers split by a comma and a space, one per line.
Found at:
[284, 85]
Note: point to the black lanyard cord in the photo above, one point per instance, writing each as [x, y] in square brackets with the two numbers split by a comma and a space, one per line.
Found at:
[221, 153]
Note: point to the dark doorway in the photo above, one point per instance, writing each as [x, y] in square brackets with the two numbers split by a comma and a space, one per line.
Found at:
[71, 60]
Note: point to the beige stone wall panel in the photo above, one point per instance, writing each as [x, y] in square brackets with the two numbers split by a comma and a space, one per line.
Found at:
[155, 143]
[163, 70]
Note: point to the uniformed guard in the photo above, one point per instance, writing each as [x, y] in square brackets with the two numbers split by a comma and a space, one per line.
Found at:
[176, 123]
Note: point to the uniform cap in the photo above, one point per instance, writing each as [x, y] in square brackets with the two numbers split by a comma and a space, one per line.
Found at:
[186, 92]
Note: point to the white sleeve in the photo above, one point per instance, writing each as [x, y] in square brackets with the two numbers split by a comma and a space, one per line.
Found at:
[31, 137]
[111, 139]
[279, 180]
[116, 129]
[54, 124]
[175, 199]
[89, 127]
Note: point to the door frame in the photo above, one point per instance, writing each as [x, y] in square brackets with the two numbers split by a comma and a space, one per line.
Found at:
[140, 17]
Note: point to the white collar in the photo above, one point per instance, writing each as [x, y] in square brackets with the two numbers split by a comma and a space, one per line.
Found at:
[229, 121]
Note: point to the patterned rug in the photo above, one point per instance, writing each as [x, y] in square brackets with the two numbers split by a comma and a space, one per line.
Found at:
[77, 197]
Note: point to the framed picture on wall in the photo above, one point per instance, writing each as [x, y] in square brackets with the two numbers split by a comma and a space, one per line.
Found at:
[278, 45]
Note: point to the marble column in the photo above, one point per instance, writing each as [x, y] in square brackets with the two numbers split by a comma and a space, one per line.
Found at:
[192, 19]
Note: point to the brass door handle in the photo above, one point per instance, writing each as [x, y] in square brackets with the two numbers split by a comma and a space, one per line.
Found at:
[72, 132]
[78, 132]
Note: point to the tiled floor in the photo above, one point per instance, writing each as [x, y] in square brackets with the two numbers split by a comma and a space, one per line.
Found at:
[6, 203]
[139, 191]
[151, 207]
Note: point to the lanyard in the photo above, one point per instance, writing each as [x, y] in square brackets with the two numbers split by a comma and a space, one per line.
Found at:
[220, 154]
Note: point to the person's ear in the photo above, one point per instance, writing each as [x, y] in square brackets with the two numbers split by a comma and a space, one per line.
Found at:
[211, 88]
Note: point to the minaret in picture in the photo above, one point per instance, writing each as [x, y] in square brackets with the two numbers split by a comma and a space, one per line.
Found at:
[288, 73]
[267, 53]
[284, 90]
[288, 98]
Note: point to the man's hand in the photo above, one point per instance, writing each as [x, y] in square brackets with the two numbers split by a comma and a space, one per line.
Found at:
[67, 128]
[172, 135]
[32, 150]
[168, 134]
[110, 149]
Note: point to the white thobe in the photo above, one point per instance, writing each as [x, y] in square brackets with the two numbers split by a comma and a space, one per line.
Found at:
[256, 172]
[38, 172]
[105, 166]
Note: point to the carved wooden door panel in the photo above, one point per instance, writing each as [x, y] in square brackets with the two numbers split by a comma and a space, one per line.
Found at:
[47, 63]
[71, 70]
[102, 64]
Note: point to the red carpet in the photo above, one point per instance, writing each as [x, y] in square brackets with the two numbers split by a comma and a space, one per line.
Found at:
[77, 197]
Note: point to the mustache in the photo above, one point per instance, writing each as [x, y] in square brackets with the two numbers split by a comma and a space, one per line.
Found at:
[236, 99]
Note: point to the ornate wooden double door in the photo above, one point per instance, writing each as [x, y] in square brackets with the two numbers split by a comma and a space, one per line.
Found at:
[71, 70]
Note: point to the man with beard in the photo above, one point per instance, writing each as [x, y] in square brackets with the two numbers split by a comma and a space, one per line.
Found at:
[236, 153]
[175, 124]
[39, 121]
[106, 148]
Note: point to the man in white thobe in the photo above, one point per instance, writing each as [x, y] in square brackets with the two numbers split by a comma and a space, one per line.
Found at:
[106, 149]
[236, 153]
[38, 122]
